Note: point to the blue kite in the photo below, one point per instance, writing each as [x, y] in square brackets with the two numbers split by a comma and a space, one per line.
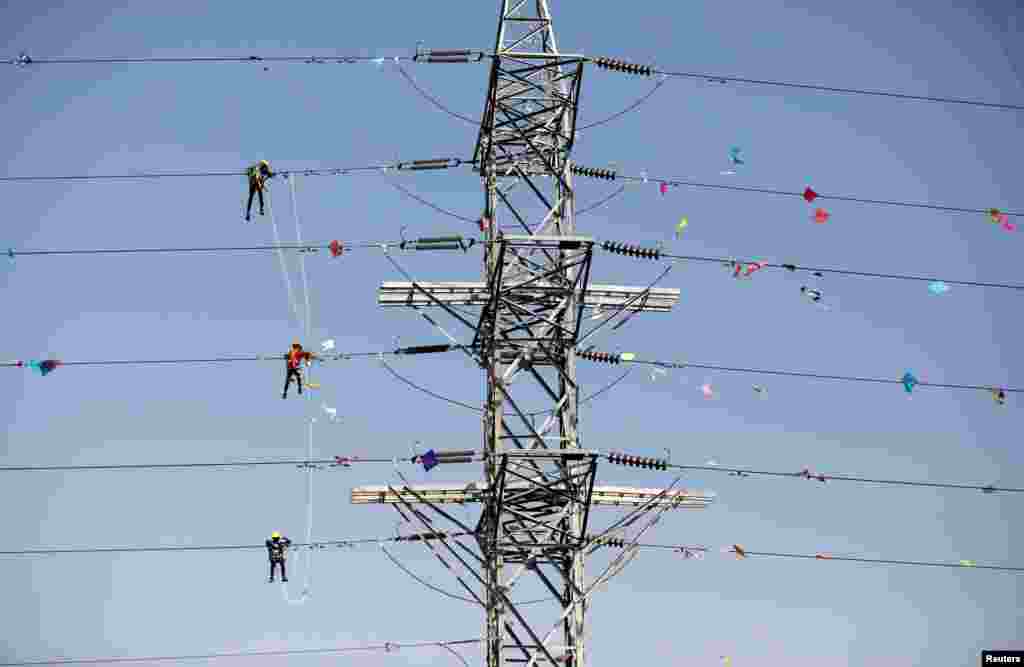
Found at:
[734, 155]
[909, 381]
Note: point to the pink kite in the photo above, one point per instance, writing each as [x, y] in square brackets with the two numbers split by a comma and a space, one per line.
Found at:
[810, 195]
[1009, 226]
[663, 187]
[707, 391]
[821, 216]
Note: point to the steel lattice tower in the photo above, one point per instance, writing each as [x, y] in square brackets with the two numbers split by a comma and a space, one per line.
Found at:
[535, 496]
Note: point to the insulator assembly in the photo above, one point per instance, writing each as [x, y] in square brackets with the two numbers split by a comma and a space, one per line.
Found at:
[423, 349]
[592, 172]
[622, 66]
[608, 541]
[600, 357]
[423, 165]
[631, 250]
[438, 243]
[449, 56]
[638, 461]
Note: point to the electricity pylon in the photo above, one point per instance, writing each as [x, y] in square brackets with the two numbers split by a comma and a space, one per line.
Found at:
[535, 497]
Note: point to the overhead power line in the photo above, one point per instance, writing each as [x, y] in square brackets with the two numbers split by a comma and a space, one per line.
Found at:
[325, 171]
[629, 358]
[655, 464]
[302, 463]
[845, 272]
[964, 564]
[609, 246]
[787, 193]
[438, 535]
[229, 547]
[641, 462]
[717, 78]
[24, 60]
[386, 647]
[310, 247]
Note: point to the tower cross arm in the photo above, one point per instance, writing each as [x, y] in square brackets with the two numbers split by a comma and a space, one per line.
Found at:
[476, 492]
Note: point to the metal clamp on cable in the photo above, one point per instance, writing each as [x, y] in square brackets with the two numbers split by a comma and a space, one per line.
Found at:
[422, 165]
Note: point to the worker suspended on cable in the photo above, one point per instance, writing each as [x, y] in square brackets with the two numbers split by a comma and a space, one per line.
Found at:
[277, 550]
[293, 366]
[258, 175]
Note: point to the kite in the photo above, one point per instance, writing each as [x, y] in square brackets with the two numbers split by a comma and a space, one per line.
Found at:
[44, 367]
[996, 216]
[312, 385]
[688, 553]
[663, 187]
[739, 551]
[810, 195]
[734, 155]
[683, 222]
[343, 461]
[760, 391]
[327, 345]
[909, 381]
[823, 556]
[1009, 226]
[337, 248]
[938, 288]
[999, 396]
[967, 563]
[627, 356]
[707, 391]
[821, 216]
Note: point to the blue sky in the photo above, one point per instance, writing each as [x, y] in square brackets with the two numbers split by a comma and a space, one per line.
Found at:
[87, 119]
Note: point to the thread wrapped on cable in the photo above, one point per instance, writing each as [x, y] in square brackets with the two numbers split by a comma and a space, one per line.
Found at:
[600, 357]
[631, 250]
[592, 172]
[638, 461]
[622, 66]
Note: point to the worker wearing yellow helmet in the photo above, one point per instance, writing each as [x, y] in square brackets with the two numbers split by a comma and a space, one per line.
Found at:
[277, 550]
[258, 175]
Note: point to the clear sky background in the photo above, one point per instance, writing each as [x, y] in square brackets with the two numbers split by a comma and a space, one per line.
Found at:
[88, 119]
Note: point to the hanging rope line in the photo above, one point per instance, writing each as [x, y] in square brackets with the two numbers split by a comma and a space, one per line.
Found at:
[827, 557]
[387, 647]
[716, 78]
[340, 356]
[284, 267]
[787, 193]
[602, 202]
[466, 119]
[428, 204]
[328, 171]
[818, 376]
